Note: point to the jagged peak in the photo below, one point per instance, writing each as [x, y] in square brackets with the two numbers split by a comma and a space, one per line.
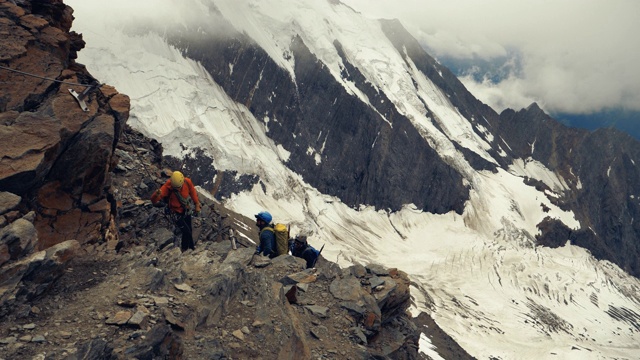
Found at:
[533, 107]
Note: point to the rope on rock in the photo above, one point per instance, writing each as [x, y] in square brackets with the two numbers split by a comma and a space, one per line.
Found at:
[44, 77]
[79, 97]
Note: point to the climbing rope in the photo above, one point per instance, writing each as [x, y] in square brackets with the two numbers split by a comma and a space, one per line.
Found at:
[44, 77]
[79, 97]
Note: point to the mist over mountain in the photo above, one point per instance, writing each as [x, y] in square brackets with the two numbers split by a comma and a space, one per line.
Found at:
[493, 71]
[512, 226]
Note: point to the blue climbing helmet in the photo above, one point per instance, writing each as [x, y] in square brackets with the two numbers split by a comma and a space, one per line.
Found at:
[264, 216]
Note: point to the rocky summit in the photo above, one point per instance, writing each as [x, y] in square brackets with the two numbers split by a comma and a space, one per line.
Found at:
[90, 269]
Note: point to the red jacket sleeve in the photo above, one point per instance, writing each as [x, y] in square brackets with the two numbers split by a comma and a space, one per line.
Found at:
[164, 192]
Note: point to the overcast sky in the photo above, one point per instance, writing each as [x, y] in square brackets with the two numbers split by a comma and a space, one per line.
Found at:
[575, 56]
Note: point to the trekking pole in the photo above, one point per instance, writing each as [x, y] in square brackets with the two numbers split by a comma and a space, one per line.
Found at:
[317, 257]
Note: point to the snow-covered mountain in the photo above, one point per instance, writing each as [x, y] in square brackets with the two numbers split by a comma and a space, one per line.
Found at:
[344, 127]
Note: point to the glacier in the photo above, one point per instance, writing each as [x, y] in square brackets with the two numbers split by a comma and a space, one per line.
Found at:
[478, 274]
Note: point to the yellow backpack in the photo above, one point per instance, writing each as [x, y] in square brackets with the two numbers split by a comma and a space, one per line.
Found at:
[282, 238]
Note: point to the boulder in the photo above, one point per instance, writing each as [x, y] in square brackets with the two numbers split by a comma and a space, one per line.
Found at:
[18, 238]
[305, 277]
[94, 349]
[346, 289]
[84, 165]
[119, 318]
[377, 269]
[30, 145]
[30, 277]
[394, 297]
[357, 299]
[8, 201]
[163, 237]
[225, 283]
[139, 318]
[159, 343]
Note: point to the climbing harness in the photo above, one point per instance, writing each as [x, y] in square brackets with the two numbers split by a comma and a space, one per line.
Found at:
[185, 202]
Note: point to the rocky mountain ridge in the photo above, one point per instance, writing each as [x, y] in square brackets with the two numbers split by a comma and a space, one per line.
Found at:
[140, 297]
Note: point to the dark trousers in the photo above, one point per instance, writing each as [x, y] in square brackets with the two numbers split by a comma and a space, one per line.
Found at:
[183, 223]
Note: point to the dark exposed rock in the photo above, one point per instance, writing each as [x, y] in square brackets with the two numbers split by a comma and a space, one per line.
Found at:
[92, 350]
[601, 188]
[30, 277]
[79, 174]
[160, 343]
[445, 345]
[470, 107]
[162, 237]
[377, 269]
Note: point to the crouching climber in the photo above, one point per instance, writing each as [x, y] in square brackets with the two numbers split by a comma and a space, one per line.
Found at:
[300, 247]
[182, 201]
[267, 246]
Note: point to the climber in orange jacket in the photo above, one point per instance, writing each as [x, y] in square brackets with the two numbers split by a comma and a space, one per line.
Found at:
[179, 193]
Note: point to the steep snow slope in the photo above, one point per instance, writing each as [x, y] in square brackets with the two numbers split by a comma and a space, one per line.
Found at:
[478, 274]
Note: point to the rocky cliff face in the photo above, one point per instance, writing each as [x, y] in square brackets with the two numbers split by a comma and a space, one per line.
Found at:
[55, 156]
[602, 177]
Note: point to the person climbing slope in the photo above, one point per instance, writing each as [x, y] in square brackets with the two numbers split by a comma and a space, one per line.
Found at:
[181, 196]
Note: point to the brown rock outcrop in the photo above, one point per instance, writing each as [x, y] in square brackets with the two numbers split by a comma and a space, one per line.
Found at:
[55, 155]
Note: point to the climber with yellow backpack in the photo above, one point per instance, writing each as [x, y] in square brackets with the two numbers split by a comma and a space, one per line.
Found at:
[182, 203]
[274, 239]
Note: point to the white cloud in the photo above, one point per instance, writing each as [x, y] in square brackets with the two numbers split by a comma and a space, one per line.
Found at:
[577, 56]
